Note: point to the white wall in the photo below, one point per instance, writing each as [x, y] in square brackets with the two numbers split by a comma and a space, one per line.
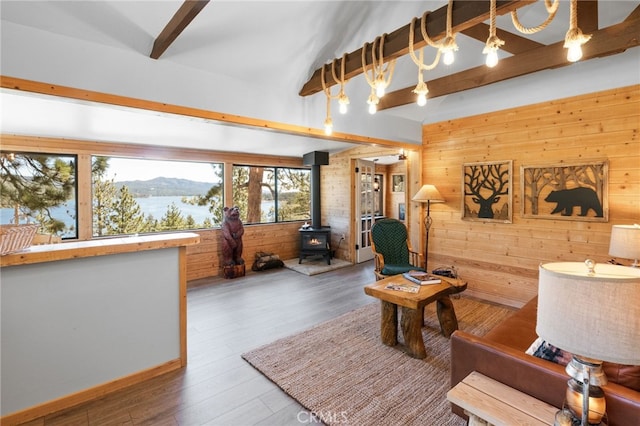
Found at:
[73, 324]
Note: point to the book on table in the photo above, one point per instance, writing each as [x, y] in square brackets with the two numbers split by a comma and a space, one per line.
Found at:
[422, 278]
[405, 286]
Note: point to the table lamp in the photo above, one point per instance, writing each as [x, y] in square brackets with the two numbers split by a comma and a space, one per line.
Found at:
[625, 242]
[428, 194]
[592, 311]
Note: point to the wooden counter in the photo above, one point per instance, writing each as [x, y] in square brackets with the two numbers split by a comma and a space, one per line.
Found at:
[98, 247]
[82, 319]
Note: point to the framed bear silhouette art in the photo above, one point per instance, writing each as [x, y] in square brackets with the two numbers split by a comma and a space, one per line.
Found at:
[566, 191]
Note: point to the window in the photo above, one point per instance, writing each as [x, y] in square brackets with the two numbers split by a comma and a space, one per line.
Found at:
[139, 196]
[39, 188]
[271, 194]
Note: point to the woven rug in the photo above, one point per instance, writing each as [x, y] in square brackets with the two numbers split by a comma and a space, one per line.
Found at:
[340, 371]
[314, 266]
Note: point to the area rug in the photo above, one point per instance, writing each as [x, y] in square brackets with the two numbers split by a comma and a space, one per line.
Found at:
[341, 372]
[314, 266]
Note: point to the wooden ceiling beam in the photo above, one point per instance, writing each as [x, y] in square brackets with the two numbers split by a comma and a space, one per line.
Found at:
[634, 15]
[607, 41]
[177, 24]
[465, 14]
[588, 16]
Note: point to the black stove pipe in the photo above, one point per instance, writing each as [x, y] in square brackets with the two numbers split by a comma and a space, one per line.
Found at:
[315, 159]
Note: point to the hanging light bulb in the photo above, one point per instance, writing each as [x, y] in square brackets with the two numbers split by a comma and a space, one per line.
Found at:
[343, 99]
[491, 50]
[421, 90]
[492, 58]
[449, 43]
[380, 76]
[422, 99]
[328, 126]
[448, 47]
[343, 103]
[493, 42]
[574, 39]
[574, 54]
[380, 85]
[449, 57]
[328, 122]
[373, 102]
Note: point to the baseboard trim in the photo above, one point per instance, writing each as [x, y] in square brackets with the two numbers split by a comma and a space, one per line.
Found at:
[68, 401]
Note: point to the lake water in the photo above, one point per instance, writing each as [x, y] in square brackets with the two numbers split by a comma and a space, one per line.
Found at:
[156, 206]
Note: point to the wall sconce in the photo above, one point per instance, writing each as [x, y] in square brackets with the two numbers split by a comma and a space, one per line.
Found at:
[402, 155]
[584, 308]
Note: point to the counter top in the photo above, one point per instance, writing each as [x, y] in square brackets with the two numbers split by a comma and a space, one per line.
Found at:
[98, 247]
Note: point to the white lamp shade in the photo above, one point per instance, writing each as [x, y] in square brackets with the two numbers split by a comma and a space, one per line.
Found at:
[595, 316]
[625, 241]
[428, 193]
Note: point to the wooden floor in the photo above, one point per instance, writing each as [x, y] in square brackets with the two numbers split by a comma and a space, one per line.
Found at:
[225, 319]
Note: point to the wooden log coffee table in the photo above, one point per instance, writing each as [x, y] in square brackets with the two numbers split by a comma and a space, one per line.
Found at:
[412, 305]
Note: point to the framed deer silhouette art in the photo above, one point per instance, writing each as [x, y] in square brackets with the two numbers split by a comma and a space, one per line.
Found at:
[486, 191]
[566, 191]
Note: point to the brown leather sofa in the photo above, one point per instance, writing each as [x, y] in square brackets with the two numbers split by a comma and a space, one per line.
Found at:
[500, 354]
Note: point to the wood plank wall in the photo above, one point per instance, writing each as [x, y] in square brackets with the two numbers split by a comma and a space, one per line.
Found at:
[500, 261]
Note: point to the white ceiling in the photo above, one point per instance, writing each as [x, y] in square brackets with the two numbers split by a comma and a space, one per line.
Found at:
[249, 58]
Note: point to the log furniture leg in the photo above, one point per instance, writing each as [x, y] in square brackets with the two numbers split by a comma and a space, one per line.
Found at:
[446, 316]
[411, 324]
[389, 323]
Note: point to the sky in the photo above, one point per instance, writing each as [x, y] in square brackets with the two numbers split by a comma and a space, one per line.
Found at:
[124, 169]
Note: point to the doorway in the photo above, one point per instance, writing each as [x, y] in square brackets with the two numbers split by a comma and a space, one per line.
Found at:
[365, 208]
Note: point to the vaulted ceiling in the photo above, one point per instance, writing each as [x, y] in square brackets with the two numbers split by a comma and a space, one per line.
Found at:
[262, 60]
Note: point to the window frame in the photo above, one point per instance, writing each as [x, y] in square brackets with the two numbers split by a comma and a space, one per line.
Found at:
[73, 158]
[276, 199]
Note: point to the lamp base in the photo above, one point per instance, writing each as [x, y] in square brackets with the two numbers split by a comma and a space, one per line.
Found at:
[565, 417]
[584, 399]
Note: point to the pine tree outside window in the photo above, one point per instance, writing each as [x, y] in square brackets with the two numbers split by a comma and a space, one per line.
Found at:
[39, 188]
[271, 194]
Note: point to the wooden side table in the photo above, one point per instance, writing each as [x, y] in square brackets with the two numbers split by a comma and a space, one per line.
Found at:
[489, 402]
[412, 305]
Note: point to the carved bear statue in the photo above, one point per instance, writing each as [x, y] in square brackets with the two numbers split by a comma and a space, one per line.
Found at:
[567, 199]
[232, 231]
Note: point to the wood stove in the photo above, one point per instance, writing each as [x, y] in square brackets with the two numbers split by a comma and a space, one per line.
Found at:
[315, 242]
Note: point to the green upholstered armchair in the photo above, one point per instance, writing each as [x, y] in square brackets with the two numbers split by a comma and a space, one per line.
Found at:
[392, 250]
